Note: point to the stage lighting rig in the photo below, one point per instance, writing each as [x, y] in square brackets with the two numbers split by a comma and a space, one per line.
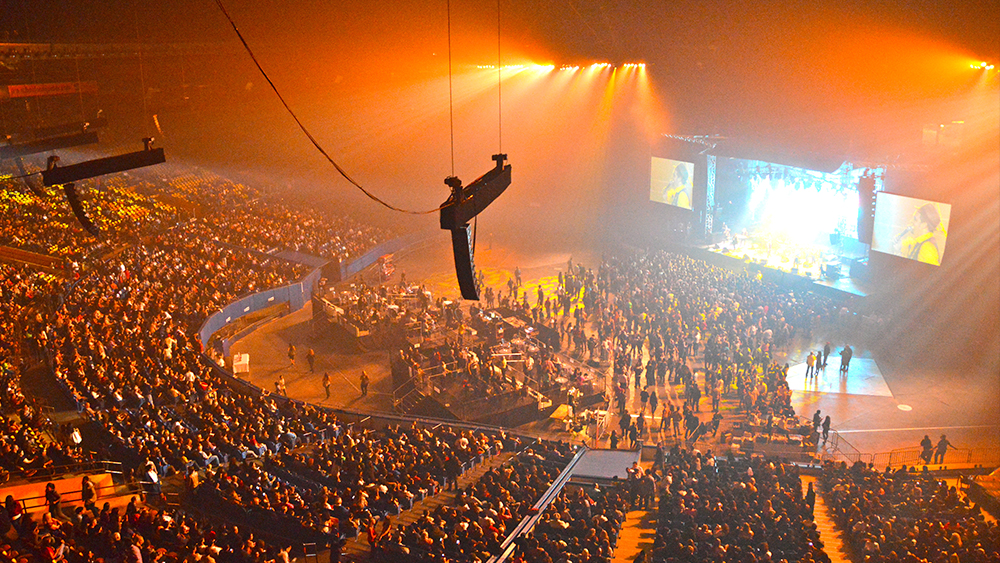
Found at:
[101, 166]
[462, 206]
[48, 144]
[77, 206]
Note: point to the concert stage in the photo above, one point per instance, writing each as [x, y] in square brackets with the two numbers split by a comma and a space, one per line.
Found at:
[826, 275]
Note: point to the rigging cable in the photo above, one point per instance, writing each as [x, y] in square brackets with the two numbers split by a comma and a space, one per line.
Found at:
[499, 97]
[451, 95]
[304, 130]
[28, 175]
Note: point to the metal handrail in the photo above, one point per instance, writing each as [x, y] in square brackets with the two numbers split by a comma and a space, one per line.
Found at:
[68, 497]
[911, 456]
[528, 523]
[55, 471]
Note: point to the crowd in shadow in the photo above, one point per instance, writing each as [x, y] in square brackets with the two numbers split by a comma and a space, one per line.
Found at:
[899, 516]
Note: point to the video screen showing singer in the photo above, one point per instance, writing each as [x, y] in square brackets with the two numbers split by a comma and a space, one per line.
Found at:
[923, 239]
[671, 182]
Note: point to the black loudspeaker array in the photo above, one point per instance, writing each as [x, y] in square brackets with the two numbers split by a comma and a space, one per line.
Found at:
[866, 208]
[465, 265]
[77, 206]
[460, 208]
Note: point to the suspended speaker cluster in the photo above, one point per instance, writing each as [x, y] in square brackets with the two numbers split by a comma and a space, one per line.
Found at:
[460, 208]
[74, 202]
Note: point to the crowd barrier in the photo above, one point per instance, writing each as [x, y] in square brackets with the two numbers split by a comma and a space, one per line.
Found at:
[296, 295]
[350, 268]
[299, 293]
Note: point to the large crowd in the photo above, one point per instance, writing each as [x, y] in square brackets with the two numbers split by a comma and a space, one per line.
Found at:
[896, 516]
[678, 307]
[137, 533]
[746, 510]
[25, 299]
[348, 479]
[119, 330]
[475, 524]
[582, 524]
[250, 218]
[120, 333]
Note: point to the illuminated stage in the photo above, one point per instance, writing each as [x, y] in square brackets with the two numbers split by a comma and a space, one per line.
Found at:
[863, 378]
[800, 265]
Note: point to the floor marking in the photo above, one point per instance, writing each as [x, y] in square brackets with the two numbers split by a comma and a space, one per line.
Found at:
[921, 429]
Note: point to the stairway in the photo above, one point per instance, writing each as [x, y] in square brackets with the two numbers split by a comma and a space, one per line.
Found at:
[357, 549]
[829, 534]
[637, 534]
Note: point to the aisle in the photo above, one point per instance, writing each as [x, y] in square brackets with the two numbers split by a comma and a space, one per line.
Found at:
[828, 532]
[636, 535]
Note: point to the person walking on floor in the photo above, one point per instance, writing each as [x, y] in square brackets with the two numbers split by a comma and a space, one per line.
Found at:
[826, 429]
[326, 384]
[810, 499]
[291, 354]
[54, 501]
[633, 435]
[845, 359]
[365, 380]
[311, 359]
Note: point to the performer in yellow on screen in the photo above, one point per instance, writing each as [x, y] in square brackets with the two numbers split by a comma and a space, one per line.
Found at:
[678, 191]
[923, 238]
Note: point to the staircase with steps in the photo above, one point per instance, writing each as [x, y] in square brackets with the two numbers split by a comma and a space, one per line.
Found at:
[833, 544]
[357, 549]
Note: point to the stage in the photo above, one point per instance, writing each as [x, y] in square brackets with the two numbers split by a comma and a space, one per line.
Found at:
[827, 275]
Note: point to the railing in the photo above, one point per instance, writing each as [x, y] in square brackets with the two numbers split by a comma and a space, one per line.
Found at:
[296, 294]
[420, 382]
[74, 496]
[528, 523]
[55, 471]
[842, 450]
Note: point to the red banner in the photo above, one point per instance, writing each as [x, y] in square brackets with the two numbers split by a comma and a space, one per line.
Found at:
[50, 89]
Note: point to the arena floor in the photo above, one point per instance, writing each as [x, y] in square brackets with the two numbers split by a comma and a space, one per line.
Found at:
[873, 409]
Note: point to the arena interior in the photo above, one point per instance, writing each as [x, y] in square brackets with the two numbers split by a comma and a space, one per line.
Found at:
[736, 297]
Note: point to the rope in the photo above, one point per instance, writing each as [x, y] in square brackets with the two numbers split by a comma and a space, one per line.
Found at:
[28, 175]
[499, 82]
[451, 96]
[305, 131]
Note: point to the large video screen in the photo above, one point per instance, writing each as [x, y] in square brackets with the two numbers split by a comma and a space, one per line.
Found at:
[911, 228]
[671, 182]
